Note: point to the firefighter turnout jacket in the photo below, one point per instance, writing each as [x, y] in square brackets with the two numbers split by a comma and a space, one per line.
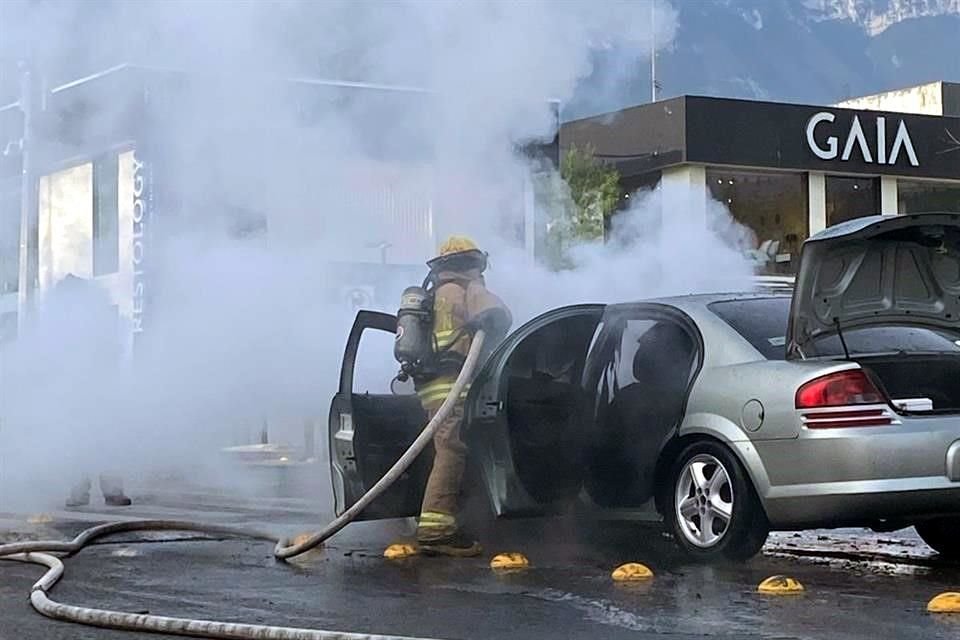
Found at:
[462, 304]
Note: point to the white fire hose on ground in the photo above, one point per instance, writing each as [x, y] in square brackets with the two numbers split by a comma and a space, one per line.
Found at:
[40, 552]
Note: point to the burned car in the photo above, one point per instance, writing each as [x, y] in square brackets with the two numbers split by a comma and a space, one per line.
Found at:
[727, 415]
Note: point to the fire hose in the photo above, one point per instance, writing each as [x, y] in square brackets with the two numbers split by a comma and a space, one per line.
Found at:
[40, 552]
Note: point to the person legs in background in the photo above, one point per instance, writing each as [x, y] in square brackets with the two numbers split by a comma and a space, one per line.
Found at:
[111, 487]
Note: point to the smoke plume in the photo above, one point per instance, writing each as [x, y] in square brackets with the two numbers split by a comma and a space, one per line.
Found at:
[243, 327]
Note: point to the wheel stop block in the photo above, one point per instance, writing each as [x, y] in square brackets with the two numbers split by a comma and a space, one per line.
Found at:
[40, 518]
[632, 572]
[300, 539]
[399, 551]
[509, 562]
[780, 586]
[945, 603]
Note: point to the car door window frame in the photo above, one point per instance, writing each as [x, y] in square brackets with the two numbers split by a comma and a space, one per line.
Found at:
[613, 323]
[365, 320]
[486, 427]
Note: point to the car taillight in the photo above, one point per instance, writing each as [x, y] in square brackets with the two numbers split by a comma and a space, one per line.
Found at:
[837, 400]
[838, 390]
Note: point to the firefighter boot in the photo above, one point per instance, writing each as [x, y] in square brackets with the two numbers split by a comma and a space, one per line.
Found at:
[79, 494]
[456, 545]
[438, 535]
[112, 488]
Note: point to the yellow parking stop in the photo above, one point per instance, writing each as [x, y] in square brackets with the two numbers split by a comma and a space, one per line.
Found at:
[509, 561]
[301, 538]
[40, 518]
[945, 603]
[399, 551]
[631, 572]
[780, 585]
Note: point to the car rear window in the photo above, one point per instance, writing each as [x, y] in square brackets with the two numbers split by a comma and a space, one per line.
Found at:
[891, 339]
[763, 323]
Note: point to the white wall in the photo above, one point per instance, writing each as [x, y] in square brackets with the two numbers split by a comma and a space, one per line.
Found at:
[889, 202]
[923, 99]
[817, 201]
[684, 192]
[352, 212]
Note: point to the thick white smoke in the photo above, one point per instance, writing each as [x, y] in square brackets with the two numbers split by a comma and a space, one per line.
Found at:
[653, 250]
[246, 330]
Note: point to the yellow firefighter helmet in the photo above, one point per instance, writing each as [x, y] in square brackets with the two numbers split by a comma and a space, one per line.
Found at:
[459, 253]
[456, 244]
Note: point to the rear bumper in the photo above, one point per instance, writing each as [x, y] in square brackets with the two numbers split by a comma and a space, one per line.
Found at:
[861, 503]
[858, 476]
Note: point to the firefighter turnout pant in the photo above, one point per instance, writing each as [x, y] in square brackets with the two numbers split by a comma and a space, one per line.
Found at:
[441, 497]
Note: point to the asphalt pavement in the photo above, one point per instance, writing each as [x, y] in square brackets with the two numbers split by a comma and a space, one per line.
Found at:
[858, 584]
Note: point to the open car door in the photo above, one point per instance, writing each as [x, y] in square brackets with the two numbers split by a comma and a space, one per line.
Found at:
[370, 430]
[527, 410]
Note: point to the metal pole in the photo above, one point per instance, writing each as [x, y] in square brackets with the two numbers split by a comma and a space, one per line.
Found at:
[529, 215]
[29, 215]
[653, 49]
[309, 439]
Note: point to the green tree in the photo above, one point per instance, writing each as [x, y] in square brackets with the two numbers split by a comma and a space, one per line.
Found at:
[594, 193]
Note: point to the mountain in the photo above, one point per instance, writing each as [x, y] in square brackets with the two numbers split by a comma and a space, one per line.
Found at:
[813, 51]
[808, 51]
[877, 15]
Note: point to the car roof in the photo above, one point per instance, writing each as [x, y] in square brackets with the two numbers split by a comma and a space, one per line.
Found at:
[705, 299]
[763, 287]
[715, 330]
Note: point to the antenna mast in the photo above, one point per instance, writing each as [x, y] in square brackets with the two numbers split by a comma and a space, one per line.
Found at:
[653, 50]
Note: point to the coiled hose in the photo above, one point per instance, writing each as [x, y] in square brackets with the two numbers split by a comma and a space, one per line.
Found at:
[39, 552]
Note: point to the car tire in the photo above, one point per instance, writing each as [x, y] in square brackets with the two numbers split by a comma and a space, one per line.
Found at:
[942, 535]
[736, 525]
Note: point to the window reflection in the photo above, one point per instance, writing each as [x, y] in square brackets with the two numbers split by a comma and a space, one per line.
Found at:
[66, 224]
[79, 219]
[773, 206]
[106, 241]
[849, 198]
[9, 238]
[918, 196]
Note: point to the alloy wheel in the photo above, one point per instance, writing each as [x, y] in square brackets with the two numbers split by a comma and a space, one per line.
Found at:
[704, 500]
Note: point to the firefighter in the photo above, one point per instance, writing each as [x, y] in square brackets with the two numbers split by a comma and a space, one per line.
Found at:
[94, 355]
[462, 304]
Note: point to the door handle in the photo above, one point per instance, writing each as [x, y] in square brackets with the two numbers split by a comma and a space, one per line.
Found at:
[491, 408]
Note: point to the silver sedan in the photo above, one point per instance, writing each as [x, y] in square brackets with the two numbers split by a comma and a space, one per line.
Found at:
[832, 403]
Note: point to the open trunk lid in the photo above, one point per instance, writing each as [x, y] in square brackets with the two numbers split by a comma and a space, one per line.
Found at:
[878, 270]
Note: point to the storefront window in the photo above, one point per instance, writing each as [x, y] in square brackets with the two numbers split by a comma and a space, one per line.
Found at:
[9, 237]
[106, 241]
[66, 224]
[773, 206]
[8, 327]
[79, 220]
[917, 196]
[849, 198]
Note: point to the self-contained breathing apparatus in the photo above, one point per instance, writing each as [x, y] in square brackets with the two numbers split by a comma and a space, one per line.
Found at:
[415, 343]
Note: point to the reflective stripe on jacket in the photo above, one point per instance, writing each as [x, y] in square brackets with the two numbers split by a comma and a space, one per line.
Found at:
[433, 393]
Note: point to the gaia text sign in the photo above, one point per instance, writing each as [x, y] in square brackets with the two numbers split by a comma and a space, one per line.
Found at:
[824, 140]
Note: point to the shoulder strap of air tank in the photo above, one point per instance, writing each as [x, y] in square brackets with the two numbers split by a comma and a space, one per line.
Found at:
[432, 281]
